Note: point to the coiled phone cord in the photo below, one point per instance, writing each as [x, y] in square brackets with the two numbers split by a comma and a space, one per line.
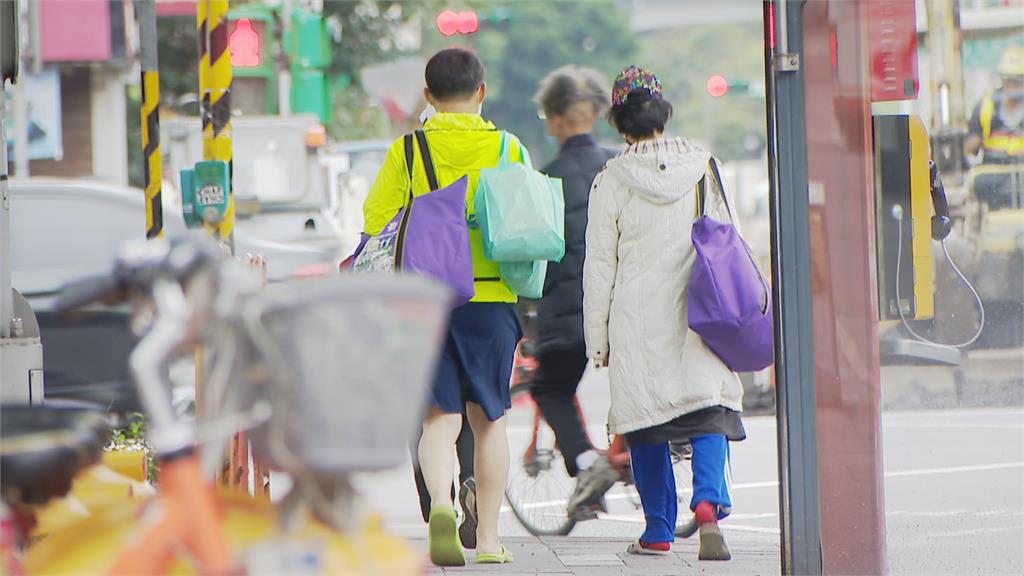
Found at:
[897, 213]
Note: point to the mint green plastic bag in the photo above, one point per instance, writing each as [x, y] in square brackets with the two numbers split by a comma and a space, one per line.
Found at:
[520, 211]
[526, 279]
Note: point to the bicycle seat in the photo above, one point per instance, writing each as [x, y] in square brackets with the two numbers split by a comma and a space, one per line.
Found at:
[42, 448]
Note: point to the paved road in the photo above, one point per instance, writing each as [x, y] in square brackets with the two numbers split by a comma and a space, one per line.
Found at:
[954, 492]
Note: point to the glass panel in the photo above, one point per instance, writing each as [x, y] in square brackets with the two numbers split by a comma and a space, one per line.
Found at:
[921, 468]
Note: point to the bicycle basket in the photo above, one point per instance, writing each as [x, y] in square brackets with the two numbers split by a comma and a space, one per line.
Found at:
[349, 361]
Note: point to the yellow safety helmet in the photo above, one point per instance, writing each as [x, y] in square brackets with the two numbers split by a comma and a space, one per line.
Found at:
[1012, 62]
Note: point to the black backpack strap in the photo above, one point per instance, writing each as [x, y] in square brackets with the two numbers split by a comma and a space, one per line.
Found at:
[428, 162]
[408, 164]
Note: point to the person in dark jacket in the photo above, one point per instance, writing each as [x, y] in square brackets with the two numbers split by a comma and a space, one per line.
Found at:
[570, 100]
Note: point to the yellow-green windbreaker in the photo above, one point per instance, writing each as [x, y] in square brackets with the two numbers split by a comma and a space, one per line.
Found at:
[460, 144]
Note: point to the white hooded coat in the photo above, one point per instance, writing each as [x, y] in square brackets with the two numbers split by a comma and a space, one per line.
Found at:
[636, 273]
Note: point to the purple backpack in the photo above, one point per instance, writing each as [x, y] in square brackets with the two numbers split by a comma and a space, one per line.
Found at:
[428, 236]
[728, 300]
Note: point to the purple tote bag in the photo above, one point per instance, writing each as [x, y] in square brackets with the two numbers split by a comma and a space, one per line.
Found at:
[728, 300]
[428, 236]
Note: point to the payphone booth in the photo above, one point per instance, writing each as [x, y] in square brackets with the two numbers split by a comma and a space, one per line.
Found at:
[852, 263]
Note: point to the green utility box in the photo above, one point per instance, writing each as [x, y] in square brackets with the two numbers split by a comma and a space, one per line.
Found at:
[310, 45]
[311, 94]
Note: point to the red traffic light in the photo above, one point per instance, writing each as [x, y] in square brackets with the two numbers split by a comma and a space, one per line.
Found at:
[451, 23]
[244, 43]
[718, 86]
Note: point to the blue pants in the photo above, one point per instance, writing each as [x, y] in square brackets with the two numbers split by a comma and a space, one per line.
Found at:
[655, 480]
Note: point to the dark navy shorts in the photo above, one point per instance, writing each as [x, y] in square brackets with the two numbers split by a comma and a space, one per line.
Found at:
[476, 365]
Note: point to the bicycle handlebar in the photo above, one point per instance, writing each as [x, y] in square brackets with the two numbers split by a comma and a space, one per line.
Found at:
[106, 288]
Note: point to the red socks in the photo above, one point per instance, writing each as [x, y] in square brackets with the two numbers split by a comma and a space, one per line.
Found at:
[706, 513]
[659, 546]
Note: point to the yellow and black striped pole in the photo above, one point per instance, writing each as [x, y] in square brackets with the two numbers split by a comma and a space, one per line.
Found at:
[152, 163]
[215, 89]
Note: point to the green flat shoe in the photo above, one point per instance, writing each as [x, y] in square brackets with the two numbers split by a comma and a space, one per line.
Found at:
[503, 557]
[443, 537]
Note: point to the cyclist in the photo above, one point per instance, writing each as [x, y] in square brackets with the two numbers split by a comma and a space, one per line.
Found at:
[570, 99]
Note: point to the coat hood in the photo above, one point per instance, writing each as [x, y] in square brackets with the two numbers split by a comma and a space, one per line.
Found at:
[662, 171]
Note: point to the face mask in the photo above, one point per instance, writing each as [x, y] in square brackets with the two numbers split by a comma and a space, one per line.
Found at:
[1014, 95]
[427, 114]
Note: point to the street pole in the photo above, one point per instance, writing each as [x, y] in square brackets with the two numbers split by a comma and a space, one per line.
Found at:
[215, 75]
[9, 63]
[152, 162]
[284, 74]
[215, 89]
[21, 120]
[6, 295]
[799, 504]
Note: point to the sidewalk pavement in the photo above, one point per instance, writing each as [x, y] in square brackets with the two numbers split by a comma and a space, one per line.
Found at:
[752, 554]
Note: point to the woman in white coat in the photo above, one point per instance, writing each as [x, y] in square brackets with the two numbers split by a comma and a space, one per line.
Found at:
[666, 385]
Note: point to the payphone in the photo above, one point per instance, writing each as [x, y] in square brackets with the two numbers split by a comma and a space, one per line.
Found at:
[911, 212]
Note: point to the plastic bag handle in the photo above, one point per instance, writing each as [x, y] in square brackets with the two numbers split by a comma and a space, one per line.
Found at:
[505, 159]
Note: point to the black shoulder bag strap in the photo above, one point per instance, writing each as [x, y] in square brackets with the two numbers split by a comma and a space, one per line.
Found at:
[428, 162]
[404, 225]
[428, 166]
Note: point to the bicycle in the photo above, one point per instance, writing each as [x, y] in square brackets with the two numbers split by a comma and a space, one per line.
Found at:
[277, 354]
[539, 486]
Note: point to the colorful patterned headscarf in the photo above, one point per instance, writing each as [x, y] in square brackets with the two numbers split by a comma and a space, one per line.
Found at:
[635, 78]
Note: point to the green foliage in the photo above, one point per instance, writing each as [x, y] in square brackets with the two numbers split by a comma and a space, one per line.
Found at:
[133, 116]
[178, 52]
[368, 35]
[685, 59]
[133, 437]
[368, 30]
[353, 119]
[539, 37]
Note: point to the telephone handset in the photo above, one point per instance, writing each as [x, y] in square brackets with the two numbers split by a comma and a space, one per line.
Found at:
[941, 223]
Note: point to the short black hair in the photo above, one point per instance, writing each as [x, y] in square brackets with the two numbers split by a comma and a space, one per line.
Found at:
[454, 73]
[641, 115]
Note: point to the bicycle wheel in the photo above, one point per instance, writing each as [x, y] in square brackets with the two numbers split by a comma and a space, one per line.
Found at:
[538, 486]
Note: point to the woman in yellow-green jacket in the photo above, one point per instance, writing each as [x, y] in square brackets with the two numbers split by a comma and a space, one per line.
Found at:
[476, 365]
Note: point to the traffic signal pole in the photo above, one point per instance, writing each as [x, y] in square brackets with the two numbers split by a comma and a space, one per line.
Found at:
[152, 162]
[215, 112]
[215, 76]
[215, 104]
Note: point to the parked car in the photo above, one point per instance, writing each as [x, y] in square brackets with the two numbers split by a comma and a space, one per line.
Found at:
[65, 229]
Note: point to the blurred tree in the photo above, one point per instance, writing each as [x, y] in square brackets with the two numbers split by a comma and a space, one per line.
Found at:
[178, 50]
[367, 32]
[520, 42]
[734, 124]
[371, 31]
[133, 115]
